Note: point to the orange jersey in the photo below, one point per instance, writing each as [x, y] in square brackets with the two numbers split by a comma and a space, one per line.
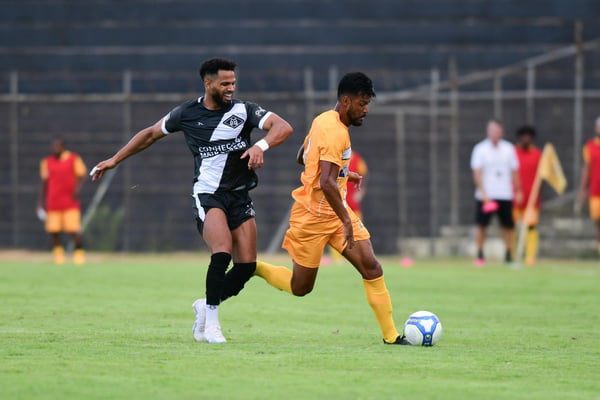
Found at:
[591, 155]
[528, 164]
[327, 140]
[61, 175]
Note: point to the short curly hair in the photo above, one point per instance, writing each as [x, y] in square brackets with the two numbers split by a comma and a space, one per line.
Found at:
[355, 83]
[212, 66]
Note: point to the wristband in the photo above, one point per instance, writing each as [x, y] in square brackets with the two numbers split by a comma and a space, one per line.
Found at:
[262, 144]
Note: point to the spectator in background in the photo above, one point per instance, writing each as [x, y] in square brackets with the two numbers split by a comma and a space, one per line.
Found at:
[62, 174]
[589, 188]
[354, 196]
[529, 158]
[495, 172]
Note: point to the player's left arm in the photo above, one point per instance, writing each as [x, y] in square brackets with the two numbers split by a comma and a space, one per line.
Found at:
[516, 180]
[80, 175]
[278, 130]
[328, 183]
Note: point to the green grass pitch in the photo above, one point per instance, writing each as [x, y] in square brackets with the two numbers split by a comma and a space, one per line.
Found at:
[120, 328]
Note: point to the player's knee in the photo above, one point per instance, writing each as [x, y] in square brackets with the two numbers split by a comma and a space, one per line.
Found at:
[372, 270]
[301, 289]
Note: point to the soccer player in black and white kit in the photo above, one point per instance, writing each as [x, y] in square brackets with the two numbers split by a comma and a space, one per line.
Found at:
[217, 129]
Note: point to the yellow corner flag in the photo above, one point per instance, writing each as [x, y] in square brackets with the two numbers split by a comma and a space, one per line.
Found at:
[550, 169]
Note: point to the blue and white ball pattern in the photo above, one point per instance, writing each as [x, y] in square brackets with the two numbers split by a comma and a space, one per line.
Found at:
[423, 328]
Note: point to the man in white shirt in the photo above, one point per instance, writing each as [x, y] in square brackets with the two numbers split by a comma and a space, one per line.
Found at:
[495, 172]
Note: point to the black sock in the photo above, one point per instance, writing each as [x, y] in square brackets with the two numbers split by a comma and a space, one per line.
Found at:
[215, 277]
[480, 254]
[236, 278]
[508, 256]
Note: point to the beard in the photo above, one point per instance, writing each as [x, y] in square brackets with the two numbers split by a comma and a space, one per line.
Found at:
[358, 121]
[218, 99]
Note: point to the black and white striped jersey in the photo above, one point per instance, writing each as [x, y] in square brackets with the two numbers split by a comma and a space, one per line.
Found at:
[217, 139]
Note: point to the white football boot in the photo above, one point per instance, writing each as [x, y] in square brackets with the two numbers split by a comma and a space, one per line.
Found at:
[213, 334]
[199, 307]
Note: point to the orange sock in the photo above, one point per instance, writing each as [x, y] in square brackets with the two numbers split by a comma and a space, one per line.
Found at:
[79, 257]
[381, 303]
[59, 254]
[278, 277]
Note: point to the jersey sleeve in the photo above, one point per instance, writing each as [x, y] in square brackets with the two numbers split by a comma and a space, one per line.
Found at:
[256, 115]
[476, 158]
[172, 121]
[44, 169]
[80, 168]
[361, 167]
[333, 148]
[586, 154]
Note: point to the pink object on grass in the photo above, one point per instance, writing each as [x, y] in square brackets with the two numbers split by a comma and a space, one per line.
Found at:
[406, 262]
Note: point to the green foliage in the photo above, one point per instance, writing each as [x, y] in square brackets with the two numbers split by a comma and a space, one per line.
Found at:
[120, 328]
[102, 233]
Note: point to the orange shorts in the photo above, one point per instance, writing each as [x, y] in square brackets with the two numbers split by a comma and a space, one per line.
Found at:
[308, 234]
[63, 221]
[595, 207]
[519, 213]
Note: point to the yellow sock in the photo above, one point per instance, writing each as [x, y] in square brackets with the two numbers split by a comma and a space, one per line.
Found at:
[531, 246]
[59, 254]
[381, 303]
[278, 277]
[79, 257]
[599, 248]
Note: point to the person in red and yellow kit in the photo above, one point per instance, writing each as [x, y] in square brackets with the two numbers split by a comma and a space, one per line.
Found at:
[590, 179]
[354, 196]
[320, 214]
[529, 158]
[62, 173]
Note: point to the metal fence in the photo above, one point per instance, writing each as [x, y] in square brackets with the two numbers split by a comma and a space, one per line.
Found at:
[417, 144]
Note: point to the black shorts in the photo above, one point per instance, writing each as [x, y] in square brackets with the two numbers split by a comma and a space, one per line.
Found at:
[237, 206]
[504, 213]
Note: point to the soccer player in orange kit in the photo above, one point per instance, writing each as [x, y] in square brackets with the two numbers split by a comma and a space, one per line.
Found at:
[320, 214]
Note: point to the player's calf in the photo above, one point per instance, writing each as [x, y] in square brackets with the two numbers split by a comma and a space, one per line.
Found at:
[236, 278]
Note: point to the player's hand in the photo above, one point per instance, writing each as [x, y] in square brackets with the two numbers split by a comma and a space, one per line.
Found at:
[255, 157]
[348, 235]
[98, 171]
[519, 197]
[355, 178]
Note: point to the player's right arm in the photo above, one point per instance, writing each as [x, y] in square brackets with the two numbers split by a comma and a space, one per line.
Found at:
[477, 167]
[328, 183]
[141, 141]
[478, 179]
[585, 176]
[43, 184]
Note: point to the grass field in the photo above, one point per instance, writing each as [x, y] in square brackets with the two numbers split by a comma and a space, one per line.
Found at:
[120, 328]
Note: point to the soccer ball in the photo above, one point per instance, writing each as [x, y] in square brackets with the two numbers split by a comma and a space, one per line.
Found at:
[423, 328]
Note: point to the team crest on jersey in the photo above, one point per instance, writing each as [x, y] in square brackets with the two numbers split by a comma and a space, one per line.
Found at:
[260, 111]
[233, 121]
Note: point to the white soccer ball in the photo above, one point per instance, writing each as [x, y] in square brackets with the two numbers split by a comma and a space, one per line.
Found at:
[423, 328]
